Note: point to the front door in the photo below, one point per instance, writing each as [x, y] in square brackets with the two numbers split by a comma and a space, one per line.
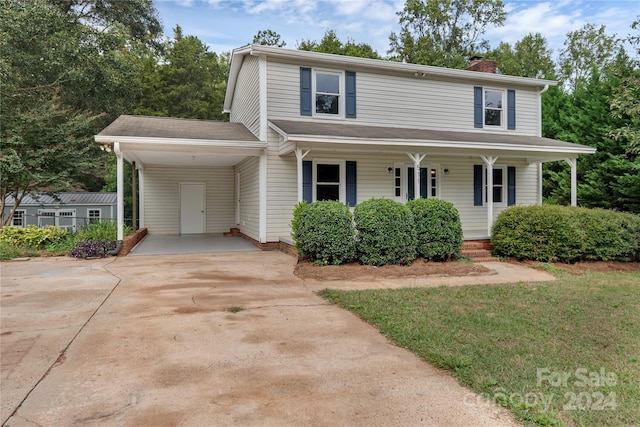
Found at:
[192, 208]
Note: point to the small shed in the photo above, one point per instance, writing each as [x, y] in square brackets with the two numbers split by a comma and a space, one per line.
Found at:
[65, 210]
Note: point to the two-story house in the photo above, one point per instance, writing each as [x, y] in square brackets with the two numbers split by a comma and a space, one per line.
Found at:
[312, 126]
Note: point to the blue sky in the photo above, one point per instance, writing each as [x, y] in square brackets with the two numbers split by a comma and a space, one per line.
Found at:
[226, 24]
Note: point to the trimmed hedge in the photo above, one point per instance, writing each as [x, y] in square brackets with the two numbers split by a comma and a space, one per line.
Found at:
[566, 234]
[438, 228]
[385, 232]
[323, 232]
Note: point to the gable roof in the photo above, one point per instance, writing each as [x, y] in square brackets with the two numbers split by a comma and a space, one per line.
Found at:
[355, 63]
[314, 131]
[78, 198]
[170, 127]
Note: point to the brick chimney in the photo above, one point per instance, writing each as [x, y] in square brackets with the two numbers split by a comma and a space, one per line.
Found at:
[477, 63]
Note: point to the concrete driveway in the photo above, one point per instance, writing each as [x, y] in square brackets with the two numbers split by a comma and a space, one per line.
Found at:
[151, 340]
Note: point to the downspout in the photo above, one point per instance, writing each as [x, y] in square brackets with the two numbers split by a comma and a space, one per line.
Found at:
[117, 249]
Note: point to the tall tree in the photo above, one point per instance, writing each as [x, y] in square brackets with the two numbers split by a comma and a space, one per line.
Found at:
[330, 43]
[584, 49]
[187, 81]
[66, 68]
[444, 32]
[530, 57]
[269, 38]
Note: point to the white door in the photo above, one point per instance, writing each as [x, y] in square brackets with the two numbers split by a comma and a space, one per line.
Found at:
[192, 208]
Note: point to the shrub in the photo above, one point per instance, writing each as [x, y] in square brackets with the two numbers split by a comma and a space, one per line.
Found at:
[103, 230]
[323, 232]
[31, 236]
[385, 232]
[605, 236]
[540, 233]
[93, 249]
[438, 228]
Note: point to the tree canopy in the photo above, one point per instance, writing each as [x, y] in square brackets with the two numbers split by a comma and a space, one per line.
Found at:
[330, 43]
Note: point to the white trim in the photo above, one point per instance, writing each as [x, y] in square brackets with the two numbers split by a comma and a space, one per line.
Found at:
[502, 109]
[574, 180]
[485, 187]
[23, 217]
[299, 158]
[154, 141]
[141, 195]
[237, 198]
[262, 70]
[120, 188]
[262, 187]
[341, 94]
[89, 218]
[342, 185]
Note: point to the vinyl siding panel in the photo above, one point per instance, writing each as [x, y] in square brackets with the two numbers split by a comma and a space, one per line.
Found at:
[162, 202]
[400, 101]
[249, 197]
[375, 181]
[246, 100]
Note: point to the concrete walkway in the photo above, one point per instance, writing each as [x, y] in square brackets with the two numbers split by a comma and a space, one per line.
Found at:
[153, 341]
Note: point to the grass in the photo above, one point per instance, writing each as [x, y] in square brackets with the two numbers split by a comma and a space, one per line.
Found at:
[515, 343]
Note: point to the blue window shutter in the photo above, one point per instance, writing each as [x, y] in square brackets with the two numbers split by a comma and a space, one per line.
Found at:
[511, 185]
[477, 107]
[305, 91]
[307, 184]
[511, 109]
[411, 184]
[352, 183]
[477, 185]
[350, 95]
[423, 182]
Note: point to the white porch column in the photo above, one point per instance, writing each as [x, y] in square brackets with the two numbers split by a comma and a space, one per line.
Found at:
[489, 161]
[299, 157]
[574, 181]
[141, 194]
[417, 159]
[120, 185]
[262, 188]
[539, 196]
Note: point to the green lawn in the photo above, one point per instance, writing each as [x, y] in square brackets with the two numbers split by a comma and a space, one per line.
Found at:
[555, 353]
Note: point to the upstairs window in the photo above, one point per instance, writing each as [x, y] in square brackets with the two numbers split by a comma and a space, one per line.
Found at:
[327, 93]
[493, 108]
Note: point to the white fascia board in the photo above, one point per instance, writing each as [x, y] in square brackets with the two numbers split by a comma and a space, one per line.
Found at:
[237, 57]
[441, 144]
[384, 65]
[182, 142]
[283, 134]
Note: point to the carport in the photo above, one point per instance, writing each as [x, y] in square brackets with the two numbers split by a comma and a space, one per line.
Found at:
[186, 178]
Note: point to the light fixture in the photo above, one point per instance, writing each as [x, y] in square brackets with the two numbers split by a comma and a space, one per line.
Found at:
[446, 171]
[389, 169]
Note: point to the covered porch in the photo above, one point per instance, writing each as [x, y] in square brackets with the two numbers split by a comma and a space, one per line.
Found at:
[481, 151]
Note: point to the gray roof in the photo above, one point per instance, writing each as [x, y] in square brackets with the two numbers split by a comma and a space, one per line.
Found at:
[38, 199]
[302, 128]
[169, 127]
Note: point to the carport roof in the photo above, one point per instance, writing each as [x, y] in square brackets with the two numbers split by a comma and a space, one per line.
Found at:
[315, 132]
[175, 128]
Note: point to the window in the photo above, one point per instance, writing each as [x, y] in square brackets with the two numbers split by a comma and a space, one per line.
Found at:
[327, 93]
[93, 215]
[493, 108]
[428, 182]
[327, 90]
[398, 182]
[327, 181]
[19, 219]
[498, 185]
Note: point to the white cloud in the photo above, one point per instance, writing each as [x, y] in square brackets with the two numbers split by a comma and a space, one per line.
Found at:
[377, 10]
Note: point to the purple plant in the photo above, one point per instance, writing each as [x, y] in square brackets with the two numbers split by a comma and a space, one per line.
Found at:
[93, 249]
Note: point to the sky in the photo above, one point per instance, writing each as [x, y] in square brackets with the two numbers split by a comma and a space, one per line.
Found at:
[224, 25]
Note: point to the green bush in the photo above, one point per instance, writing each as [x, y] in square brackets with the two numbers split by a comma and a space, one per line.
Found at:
[540, 233]
[438, 228]
[104, 230]
[385, 232]
[566, 234]
[31, 236]
[323, 232]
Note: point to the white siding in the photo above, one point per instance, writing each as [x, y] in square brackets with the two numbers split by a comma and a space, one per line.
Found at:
[246, 99]
[249, 197]
[162, 202]
[374, 180]
[398, 101]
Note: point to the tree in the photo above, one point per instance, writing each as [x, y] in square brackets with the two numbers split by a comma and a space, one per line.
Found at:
[444, 32]
[585, 49]
[268, 38]
[330, 43]
[531, 57]
[66, 68]
[187, 81]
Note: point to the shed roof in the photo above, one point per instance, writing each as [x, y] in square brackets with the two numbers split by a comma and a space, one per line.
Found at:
[78, 198]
